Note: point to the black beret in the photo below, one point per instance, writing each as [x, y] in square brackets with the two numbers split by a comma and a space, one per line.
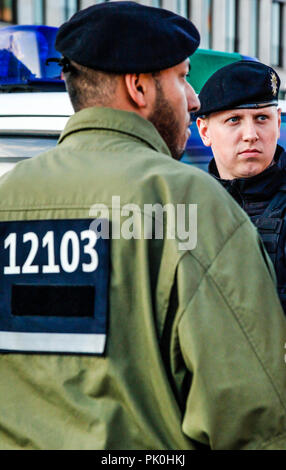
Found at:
[242, 84]
[126, 37]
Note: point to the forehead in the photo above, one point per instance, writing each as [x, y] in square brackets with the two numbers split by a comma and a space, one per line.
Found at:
[182, 66]
[185, 64]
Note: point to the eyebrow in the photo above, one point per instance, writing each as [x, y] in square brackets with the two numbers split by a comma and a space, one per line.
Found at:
[239, 112]
[261, 111]
[231, 113]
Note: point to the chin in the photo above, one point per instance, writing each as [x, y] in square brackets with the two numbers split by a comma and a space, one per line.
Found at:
[249, 172]
[178, 154]
[177, 151]
[255, 167]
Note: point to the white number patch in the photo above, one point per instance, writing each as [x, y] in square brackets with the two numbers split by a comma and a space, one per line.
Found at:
[71, 247]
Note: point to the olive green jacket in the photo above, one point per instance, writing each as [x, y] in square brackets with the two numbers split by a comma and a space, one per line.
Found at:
[195, 342]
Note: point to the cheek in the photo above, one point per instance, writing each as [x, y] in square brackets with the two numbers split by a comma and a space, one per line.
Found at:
[177, 103]
[220, 140]
[222, 154]
[175, 91]
[224, 147]
[269, 140]
[272, 137]
[182, 97]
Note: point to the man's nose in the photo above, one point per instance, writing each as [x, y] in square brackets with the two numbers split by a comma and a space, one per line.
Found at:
[193, 100]
[250, 131]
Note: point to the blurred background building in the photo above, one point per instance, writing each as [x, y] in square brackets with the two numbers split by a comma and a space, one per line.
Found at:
[252, 27]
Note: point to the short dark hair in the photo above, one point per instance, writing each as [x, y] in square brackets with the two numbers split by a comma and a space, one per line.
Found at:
[88, 87]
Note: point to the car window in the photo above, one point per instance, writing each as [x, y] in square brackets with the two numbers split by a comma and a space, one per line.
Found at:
[14, 148]
[197, 154]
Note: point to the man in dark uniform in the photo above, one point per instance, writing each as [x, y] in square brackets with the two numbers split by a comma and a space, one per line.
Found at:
[143, 341]
[240, 119]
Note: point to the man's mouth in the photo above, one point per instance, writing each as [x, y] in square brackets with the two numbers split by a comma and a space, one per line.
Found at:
[250, 152]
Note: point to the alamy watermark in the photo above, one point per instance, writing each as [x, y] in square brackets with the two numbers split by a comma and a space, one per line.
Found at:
[153, 221]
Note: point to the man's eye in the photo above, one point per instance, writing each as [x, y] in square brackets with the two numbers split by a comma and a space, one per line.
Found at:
[233, 119]
[262, 117]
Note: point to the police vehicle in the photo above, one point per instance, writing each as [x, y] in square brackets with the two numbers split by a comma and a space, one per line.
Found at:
[34, 106]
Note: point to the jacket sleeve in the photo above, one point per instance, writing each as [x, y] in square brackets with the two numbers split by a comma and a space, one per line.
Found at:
[232, 334]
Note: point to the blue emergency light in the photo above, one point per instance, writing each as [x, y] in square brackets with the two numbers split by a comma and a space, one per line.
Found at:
[24, 51]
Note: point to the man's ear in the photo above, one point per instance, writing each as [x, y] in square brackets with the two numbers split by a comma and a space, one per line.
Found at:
[203, 127]
[137, 88]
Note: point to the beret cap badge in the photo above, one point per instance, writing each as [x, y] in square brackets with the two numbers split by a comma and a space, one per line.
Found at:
[274, 83]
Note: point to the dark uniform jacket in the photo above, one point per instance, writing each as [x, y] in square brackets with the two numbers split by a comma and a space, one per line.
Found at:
[174, 352]
[255, 195]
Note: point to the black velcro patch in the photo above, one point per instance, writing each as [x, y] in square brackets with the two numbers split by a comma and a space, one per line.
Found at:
[52, 300]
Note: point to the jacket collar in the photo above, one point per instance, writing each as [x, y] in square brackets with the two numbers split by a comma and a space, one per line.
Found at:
[259, 187]
[110, 119]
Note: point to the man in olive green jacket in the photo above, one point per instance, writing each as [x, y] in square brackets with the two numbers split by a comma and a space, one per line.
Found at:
[142, 338]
